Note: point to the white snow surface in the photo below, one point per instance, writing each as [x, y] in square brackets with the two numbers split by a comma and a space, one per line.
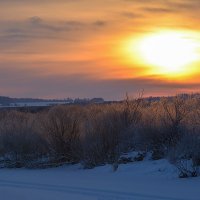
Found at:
[146, 180]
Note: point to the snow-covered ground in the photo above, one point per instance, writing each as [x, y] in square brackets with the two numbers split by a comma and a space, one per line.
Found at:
[37, 104]
[146, 180]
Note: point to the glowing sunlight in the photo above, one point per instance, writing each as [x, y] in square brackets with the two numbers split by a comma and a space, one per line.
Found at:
[169, 53]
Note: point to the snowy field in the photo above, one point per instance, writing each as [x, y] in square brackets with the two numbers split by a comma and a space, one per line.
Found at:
[147, 180]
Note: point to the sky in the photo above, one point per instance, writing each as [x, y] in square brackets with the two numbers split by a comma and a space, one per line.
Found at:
[89, 48]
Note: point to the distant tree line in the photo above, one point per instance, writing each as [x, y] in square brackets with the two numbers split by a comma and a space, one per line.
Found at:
[7, 101]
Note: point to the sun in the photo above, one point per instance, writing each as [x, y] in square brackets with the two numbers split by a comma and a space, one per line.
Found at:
[169, 52]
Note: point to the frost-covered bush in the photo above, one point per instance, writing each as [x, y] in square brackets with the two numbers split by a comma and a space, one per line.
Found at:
[102, 137]
[186, 155]
[109, 131]
[162, 126]
[61, 127]
[187, 168]
[19, 141]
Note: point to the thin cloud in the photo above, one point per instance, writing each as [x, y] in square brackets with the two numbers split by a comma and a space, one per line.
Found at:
[100, 23]
[131, 15]
[35, 28]
[158, 10]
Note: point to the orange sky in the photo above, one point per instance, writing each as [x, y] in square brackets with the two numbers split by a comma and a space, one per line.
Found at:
[77, 48]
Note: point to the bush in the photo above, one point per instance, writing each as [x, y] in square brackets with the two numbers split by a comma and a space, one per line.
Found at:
[109, 131]
[186, 155]
[19, 142]
[61, 126]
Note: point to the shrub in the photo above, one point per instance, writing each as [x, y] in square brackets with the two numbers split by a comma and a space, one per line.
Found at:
[109, 131]
[61, 126]
[186, 155]
[19, 142]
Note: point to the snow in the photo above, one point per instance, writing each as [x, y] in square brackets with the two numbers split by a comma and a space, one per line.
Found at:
[146, 180]
[37, 104]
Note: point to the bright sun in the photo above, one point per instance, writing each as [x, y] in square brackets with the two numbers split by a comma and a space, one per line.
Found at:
[168, 53]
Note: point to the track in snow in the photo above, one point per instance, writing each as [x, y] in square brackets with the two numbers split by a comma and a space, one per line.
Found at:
[88, 192]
